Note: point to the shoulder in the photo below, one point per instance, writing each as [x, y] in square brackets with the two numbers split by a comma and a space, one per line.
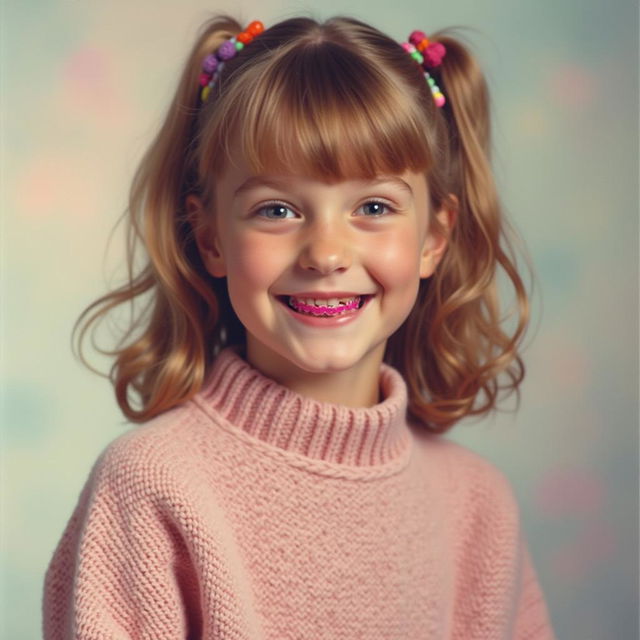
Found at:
[153, 476]
[473, 485]
[479, 509]
[146, 455]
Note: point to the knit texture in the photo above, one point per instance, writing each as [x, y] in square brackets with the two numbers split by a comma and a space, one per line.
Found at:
[252, 512]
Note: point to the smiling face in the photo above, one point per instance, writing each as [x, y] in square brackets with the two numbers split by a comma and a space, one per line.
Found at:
[320, 274]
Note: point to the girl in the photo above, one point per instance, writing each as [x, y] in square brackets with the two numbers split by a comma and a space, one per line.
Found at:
[323, 234]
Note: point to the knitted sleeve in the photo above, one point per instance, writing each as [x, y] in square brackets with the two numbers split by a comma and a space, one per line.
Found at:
[119, 571]
[496, 585]
[532, 618]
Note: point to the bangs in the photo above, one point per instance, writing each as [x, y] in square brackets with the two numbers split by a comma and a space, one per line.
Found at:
[322, 111]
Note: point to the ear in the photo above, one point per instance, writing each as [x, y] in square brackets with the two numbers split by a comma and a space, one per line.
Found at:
[204, 231]
[435, 244]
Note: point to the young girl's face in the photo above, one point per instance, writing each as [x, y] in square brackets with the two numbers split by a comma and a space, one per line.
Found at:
[358, 247]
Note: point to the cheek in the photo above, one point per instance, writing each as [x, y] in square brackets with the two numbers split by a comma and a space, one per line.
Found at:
[251, 262]
[396, 260]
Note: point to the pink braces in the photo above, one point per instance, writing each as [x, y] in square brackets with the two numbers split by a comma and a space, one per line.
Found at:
[332, 311]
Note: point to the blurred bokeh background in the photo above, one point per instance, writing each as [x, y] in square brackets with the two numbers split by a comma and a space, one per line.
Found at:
[84, 86]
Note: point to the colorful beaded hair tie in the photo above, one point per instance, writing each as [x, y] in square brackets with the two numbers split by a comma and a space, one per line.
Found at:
[428, 55]
[213, 64]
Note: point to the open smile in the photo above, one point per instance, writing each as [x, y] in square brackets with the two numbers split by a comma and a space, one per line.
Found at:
[335, 307]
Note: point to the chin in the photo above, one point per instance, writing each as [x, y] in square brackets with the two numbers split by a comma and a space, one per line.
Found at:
[327, 360]
[288, 358]
[326, 365]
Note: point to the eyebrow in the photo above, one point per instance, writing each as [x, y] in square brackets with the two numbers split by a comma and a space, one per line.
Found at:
[257, 181]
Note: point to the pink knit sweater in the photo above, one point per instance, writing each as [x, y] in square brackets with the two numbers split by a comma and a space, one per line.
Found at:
[252, 512]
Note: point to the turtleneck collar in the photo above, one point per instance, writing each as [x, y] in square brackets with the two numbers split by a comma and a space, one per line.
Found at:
[376, 436]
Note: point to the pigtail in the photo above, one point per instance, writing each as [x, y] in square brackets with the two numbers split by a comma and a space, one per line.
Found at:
[457, 321]
[165, 363]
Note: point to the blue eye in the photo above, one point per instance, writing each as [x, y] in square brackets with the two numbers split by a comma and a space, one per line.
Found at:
[274, 211]
[376, 208]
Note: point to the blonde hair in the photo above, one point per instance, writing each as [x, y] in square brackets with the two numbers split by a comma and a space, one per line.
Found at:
[335, 99]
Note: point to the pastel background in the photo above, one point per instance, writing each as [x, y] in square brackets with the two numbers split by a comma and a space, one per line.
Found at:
[85, 84]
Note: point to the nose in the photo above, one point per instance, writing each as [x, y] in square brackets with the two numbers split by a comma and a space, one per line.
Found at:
[326, 248]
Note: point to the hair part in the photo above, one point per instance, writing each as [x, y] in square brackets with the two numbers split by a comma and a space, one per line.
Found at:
[335, 100]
